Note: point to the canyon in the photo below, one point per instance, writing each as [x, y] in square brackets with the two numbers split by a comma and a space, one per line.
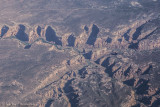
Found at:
[81, 55]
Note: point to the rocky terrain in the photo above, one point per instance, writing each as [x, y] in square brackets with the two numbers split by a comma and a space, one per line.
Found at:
[70, 53]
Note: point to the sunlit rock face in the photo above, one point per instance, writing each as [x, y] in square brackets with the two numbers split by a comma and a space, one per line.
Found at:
[70, 53]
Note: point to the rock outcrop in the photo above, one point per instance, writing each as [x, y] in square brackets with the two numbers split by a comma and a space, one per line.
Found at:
[50, 35]
[68, 40]
[4, 30]
[93, 35]
[18, 31]
[35, 34]
[81, 39]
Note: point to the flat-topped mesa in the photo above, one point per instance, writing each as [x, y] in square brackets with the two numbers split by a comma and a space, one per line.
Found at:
[35, 34]
[4, 30]
[18, 31]
[50, 35]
